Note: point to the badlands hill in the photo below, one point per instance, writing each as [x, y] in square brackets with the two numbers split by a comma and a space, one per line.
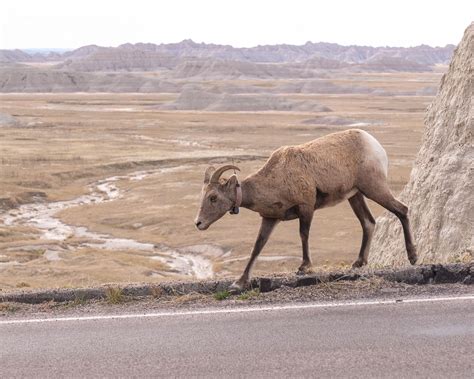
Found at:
[193, 97]
[440, 193]
[11, 56]
[422, 54]
[216, 61]
[22, 78]
[162, 68]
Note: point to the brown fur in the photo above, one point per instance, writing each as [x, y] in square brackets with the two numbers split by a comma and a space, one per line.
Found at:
[330, 165]
[296, 180]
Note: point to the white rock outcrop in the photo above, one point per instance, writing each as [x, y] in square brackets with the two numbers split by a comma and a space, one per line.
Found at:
[440, 192]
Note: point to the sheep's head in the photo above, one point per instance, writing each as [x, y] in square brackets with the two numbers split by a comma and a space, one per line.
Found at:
[217, 196]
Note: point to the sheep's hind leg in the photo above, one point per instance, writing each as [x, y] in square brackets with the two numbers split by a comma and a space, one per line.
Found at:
[367, 221]
[266, 228]
[306, 217]
[380, 193]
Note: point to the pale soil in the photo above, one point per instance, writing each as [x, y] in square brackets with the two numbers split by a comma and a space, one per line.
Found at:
[70, 142]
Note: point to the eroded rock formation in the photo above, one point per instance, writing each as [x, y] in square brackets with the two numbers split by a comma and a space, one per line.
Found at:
[440, 192]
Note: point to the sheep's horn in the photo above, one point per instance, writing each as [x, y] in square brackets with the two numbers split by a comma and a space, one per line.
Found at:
[217, 174]
[208, 173]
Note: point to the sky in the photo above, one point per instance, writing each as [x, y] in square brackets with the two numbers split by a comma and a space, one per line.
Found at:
[242, 23]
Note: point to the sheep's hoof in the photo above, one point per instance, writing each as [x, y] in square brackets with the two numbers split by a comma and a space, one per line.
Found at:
[413, 258]
[359, 263]
[239, 286]
[304, 270]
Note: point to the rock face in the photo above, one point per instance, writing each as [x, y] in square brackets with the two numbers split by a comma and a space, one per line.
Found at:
[440, 192]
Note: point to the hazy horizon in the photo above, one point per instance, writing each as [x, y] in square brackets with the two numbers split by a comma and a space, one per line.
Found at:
[27, 25]
[64, 49]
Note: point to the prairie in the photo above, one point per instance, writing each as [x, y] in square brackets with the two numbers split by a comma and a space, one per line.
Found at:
[104, 187]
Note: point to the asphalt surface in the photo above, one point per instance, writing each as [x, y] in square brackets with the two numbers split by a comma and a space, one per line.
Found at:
[418, 339]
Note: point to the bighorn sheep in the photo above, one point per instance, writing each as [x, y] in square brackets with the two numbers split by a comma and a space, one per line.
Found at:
[297, 180]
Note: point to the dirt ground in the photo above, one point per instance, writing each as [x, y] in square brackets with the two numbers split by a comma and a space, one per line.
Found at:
[143, 168]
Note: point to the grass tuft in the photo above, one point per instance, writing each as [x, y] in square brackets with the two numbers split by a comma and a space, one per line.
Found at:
[114, 295]
[221, 295]
[157, 292]
[8, 307]
[188, 298]
[79, 299]
[247, 295]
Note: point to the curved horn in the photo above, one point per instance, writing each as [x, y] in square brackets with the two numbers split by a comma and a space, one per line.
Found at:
[217, 174]
[208, 173]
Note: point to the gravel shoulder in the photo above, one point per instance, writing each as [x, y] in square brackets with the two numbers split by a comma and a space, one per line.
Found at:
[339, 291]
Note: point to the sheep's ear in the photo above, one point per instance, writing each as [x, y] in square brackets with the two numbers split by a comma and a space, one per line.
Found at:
[208, 174]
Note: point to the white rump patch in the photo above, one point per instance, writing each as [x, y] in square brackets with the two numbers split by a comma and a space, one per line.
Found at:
[378, 152]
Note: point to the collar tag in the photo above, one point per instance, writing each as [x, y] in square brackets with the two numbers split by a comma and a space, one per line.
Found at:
[238, 200]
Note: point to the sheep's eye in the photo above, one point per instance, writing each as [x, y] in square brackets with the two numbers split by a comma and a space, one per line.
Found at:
[213, 198]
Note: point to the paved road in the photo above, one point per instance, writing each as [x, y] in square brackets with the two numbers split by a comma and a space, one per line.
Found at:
[428, 339]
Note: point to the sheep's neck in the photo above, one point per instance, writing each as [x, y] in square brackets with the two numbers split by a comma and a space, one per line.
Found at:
[258, 197]
[248, 194]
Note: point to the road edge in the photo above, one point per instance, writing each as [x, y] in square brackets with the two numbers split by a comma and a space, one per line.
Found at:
[425, 274]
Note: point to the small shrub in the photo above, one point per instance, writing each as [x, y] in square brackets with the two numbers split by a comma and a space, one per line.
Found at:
[22, 285]
[221, 295]
[114, 295]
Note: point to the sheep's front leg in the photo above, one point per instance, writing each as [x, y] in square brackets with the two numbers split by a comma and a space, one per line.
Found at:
[266, 228]
[306, 217]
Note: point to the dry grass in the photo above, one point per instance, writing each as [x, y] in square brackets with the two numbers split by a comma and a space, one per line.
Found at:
[114, 295]
[222, 295]
[157, 292]
[247, 295]
[79, 299]
[8, 308]
[77, 139]
[189, 298]
[23, 285]
[465, 257]
[361, 286]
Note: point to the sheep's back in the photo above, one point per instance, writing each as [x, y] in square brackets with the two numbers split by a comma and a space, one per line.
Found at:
[330, 163]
